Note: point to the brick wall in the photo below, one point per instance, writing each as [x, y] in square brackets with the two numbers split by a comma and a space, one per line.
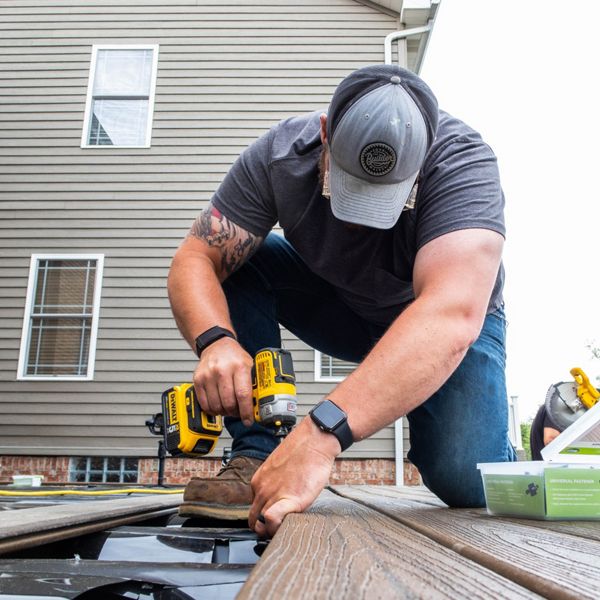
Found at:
[55, 469]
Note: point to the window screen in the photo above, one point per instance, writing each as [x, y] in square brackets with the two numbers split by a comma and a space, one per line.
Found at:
[60, 317]
[122, 88]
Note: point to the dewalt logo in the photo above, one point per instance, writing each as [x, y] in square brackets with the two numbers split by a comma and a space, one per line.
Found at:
[172, 407]
[264, 371]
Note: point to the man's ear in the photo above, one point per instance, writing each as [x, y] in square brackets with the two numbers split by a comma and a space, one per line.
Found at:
[324, 128]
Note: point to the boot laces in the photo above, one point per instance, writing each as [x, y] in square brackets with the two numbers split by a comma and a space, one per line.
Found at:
[237, 467]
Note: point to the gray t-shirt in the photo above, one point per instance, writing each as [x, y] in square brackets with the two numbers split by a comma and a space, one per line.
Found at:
[277, 179]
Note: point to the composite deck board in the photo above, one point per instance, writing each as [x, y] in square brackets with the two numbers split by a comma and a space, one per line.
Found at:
[21, 523]
[584, 529]
[342, 549]
[554, 561]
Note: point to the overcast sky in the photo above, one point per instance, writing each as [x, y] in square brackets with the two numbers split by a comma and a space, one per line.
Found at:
[524, 74]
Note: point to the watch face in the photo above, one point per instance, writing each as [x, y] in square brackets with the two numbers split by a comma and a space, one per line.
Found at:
[329, 415]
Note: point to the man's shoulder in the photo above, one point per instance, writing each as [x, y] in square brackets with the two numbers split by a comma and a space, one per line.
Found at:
[296, 136]
[455, 145]
[452, 130]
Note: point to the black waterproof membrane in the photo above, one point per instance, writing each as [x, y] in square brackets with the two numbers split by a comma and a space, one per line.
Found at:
[135, 562]
[108, 580]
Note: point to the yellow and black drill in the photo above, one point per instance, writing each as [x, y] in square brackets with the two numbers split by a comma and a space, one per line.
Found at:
[189, 431]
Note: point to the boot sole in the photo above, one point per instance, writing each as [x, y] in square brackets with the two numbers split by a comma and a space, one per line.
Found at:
[233, 512]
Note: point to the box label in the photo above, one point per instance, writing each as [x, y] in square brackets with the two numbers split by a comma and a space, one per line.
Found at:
[573, 493]
[515, 495]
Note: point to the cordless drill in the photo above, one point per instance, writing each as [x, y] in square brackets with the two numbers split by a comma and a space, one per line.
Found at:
[189, 431]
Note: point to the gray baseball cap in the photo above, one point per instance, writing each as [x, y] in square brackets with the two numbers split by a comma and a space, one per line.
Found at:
[380, 125]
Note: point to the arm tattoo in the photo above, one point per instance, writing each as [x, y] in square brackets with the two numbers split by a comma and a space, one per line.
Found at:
[235, 244]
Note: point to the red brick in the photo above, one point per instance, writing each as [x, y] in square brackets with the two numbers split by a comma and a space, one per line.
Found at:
[179, 471]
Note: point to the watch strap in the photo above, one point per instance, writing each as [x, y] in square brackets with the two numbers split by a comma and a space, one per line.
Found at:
[344, 435]
[210, 336]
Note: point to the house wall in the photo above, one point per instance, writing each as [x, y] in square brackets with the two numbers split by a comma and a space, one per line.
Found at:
[348, 471]
[227, 71]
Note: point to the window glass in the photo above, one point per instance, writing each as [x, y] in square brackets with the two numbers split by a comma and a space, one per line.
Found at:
[119, 122]
[131, 464]
[114, 464]
[59, 347]
[64, 286]
[97, 463]
[130, 477]
[79, 463]
[123, 72]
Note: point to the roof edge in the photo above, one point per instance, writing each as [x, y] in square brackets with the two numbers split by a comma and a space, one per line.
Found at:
[380, 8]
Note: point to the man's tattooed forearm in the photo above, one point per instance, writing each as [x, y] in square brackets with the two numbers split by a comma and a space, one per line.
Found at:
[235, 244]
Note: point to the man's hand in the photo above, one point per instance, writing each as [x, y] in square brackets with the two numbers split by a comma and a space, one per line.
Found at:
[223, 380]
[292, 477]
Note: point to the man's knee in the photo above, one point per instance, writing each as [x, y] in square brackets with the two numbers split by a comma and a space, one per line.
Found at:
[451, 472]
[458, 485]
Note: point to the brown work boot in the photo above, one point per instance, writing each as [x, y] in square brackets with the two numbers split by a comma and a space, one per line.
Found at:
[226, 496]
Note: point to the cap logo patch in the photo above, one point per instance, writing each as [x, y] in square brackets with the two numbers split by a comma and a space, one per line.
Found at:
[377, 159]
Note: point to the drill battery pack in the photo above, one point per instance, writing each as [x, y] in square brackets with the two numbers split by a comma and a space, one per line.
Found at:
[187, 429]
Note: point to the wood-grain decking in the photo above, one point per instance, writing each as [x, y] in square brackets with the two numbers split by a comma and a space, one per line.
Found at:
[20, 529]
[388, 542]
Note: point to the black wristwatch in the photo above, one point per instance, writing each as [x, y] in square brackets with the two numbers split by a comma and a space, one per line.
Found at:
[209, 336]
[330, 418]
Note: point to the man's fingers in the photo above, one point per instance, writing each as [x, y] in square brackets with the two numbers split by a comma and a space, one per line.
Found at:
[258, 504]
[242, 382]
[274, 515]
[213, 399]
[223, 382]
[227, 396]
[201, 396]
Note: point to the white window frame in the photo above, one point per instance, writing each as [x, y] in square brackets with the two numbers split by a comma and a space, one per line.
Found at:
[318, 370]
[26, 332]
[90, 92]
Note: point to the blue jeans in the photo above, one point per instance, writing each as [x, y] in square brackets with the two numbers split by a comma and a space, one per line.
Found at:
[463, 423]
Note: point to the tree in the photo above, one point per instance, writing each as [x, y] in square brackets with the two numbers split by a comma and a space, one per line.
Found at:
[525, 434]
[594, 349]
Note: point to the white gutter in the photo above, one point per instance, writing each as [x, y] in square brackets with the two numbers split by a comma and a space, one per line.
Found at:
[398, 425]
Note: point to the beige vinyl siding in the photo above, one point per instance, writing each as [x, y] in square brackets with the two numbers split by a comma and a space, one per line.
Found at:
[227, 71]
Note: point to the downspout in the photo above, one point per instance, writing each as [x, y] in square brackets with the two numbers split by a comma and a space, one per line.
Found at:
[402, 34]
[387, 45]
